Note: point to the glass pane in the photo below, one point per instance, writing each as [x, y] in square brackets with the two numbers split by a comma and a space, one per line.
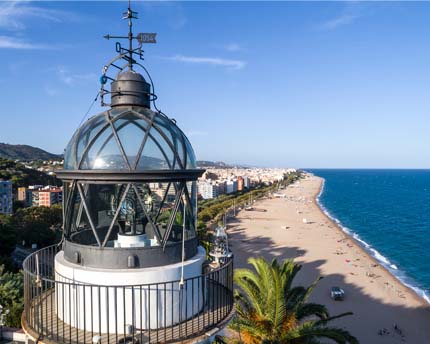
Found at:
[104, 153]
[185, 209]
[67, 190]
[156, 196]
[175, 137]
[70, 155]
[101, 202]
[191, 158]
[128, 217]
[165, 146]
[152, 158]
[131, 132]
[79, 228]
[87, 132]
[190, 206]
[132, 219]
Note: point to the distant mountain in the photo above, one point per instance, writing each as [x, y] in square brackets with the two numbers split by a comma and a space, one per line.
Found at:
[22, 176]
[25, 153]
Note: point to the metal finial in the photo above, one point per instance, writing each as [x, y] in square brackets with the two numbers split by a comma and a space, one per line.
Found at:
[130, 15]
[130, 55]
[142, 38]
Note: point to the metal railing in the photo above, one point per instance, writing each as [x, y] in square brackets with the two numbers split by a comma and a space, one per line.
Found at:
[59, 310]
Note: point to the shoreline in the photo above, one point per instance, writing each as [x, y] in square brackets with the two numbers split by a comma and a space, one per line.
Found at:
[362, 244]
[377, 298]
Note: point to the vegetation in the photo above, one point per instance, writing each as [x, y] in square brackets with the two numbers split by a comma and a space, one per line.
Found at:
[38, 225]
[25, 153]
[214, 209]
[22, 176]
[35, 225]
[270, 310]
[11, 296]
[7, 235]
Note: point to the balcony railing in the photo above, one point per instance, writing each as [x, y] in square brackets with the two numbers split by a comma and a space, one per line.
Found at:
[58, 310]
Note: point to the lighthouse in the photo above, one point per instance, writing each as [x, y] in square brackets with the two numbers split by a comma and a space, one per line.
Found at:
[129, 268]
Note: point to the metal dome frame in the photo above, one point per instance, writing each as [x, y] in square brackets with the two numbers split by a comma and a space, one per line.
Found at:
[151, 122]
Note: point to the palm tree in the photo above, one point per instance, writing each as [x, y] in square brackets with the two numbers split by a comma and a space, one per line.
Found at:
[271, 311]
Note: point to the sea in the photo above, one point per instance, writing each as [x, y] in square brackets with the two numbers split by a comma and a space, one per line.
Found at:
[388, 213]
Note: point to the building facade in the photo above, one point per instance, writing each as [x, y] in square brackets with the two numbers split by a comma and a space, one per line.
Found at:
[6, 198]
[40, 196]
[240, 183]
[231, 186]
[48, 198]
[207, 189]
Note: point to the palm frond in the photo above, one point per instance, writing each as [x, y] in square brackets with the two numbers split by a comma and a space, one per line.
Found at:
[312, 309]
[270, 310]
[309, 330]
[325, 321]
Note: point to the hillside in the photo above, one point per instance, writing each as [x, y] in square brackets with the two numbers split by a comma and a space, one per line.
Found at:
[215, 164]
[22, 176]
[25, 153]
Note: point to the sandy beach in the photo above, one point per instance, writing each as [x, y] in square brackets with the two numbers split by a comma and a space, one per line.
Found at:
[377, 299]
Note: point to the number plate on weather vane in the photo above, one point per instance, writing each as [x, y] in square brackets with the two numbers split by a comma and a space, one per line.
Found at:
[145, 37]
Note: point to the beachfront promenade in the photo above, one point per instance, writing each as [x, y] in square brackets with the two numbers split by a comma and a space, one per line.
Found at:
[378, 300]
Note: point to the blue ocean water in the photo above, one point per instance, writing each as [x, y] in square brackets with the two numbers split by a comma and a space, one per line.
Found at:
[388, 212]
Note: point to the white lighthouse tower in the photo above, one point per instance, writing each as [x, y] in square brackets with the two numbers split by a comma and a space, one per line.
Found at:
[129, 267]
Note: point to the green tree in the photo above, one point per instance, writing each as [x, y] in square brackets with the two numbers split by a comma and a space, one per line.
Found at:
[11, 296]
[37, 225]
[7, 235]
[270, 310]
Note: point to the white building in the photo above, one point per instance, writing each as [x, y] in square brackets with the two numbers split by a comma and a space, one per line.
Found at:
[6, 198]
[246, 182]
[207, 189]
[231, 186]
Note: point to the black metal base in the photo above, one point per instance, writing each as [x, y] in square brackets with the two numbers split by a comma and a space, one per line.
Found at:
[118, 258]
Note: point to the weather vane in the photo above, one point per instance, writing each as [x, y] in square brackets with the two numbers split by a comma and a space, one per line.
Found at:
[126, 53]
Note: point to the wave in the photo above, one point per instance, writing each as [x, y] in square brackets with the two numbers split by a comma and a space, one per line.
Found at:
[381, 259]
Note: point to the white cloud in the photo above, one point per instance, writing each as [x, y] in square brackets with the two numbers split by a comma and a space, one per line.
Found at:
[215, 61]
[350, 13]
[233, 47]
[13, 14]
[343, 19]
[9, 42]
[70, 79]
[50, 91]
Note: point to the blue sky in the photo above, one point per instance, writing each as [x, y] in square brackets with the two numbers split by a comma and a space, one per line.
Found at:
[303, 84]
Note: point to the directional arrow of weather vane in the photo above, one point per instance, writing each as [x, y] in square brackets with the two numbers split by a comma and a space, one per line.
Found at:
[142, 37]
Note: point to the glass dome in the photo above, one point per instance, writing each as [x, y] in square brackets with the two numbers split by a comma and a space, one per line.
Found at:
[129, 187]
[130, 139]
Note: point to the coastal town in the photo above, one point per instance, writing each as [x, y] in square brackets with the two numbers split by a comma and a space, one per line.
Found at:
[213, 183]
[219, 181]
